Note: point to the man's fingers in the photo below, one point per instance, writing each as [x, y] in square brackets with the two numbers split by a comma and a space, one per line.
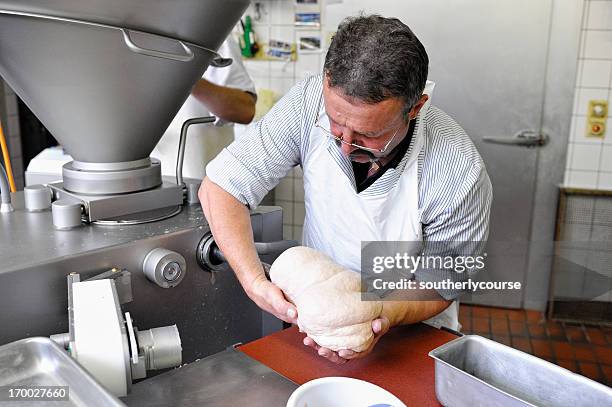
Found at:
[346, 353]
[331, 356]
[308, 341]
[282, 308]
[380, 326]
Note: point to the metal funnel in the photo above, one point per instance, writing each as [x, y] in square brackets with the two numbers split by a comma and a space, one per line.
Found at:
[106, 93]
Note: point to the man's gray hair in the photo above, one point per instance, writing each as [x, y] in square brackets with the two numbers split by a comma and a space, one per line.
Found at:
[373, 58]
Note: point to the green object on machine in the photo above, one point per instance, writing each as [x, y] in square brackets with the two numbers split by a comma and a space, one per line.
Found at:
[248, 39]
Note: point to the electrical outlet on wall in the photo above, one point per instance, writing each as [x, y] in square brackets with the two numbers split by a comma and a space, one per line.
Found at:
[596, 118]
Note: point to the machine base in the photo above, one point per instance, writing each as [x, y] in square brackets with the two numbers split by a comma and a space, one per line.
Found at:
[121, 208]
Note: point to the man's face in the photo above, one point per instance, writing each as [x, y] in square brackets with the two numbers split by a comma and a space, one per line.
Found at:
[366, 124]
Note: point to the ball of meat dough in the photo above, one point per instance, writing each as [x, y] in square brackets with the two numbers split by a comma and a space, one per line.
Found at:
[327, 297]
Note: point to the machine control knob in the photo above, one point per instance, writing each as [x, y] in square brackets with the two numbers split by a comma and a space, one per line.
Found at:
[66, 214]
[164, 267]
[37, 198]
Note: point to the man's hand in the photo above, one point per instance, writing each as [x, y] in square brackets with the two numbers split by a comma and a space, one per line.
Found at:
[380, 326]
[270, 298]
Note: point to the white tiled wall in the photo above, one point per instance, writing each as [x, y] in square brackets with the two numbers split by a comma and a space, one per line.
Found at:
[277, 22]
[589, 159]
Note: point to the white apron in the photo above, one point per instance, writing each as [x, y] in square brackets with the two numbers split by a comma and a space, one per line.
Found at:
[338, 219]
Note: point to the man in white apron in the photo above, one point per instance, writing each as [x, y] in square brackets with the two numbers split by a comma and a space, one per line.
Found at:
[380, 164]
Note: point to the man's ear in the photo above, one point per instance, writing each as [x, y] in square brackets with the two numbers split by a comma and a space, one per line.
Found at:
[417, 107]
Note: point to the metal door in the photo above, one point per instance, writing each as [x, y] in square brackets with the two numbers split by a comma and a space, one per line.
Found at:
[489, 62]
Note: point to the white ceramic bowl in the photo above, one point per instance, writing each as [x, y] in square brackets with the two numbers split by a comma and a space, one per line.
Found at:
[342, 392]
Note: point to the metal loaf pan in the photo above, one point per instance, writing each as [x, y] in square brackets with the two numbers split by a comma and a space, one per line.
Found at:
[40, 362]
[473, 371]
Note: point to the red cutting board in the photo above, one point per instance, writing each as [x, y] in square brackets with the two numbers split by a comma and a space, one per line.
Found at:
[399, 362]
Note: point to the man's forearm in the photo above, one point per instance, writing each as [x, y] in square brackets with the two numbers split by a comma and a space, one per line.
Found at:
[413, 311]
[230, 223]
[229, 104]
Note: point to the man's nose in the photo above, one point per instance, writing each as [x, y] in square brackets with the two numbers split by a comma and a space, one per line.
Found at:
[347, 138]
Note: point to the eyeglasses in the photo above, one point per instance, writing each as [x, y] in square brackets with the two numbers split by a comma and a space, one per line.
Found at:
[372, 154]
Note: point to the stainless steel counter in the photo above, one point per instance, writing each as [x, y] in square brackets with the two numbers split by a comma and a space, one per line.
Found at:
[228, 378]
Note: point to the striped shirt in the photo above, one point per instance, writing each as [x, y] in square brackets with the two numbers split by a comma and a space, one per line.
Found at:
[454, 189]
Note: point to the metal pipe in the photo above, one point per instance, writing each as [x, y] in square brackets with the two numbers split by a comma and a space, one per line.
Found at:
[5, 192]
[276, 247]
[183, 142]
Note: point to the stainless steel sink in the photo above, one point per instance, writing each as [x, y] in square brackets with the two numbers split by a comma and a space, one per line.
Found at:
[32, 362]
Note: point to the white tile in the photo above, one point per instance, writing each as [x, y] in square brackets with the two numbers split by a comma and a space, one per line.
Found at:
[598, 44]
[298, 213]
[264, 14]
[282, 69]
[608, 136]
[281, 11]
[297, 233]
[284, 189]
[298, 190]
[287, 211]
[585, 157]
[261, 82]
[282, 33]
[287, 232]
[257, 68]
[281, 86]
[297, 172]
[600, 15]
[583, 179]
[586, 95]
[307, 64]
[605, 181]
[595, 73]
[606, 158]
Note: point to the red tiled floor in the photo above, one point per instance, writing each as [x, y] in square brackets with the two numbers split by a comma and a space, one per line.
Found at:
[590, 370]
[596, 336]
[586, 350]
[466, 324]
[563, 350]
[604, 354]
[541, 348]
[575, 334]
[568, 364]
[503, 339]
[499, 326]
[481, 312]
[516, 315]
[480, 325]
[607, 370]
[536, 331]
[498, 313]
[555, 330]
[518, 328]
[534, 316]
[522, 344]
